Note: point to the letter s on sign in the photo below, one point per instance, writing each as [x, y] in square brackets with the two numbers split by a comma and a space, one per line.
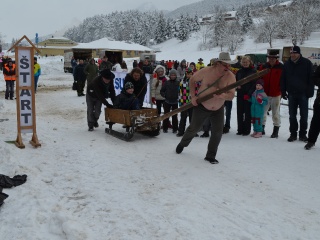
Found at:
[24, 62]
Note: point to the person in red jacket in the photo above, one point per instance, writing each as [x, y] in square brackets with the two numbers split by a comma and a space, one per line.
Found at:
[9, 72]
[273, 91]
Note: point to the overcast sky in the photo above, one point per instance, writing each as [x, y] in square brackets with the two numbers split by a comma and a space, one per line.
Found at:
[18, 18]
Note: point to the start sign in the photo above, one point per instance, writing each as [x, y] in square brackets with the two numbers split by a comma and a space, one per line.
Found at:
[25, 91]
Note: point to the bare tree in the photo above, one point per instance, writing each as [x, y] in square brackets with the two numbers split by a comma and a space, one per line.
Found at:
[267, 28]
[299, 21]
[234, 36]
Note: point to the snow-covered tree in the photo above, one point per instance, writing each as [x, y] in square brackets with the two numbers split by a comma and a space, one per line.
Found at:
[247, 21]
[219, 27]
[267, 29]
[183, 33]
[160, 32]
[233, 36]
[195, 24]
[298, 22]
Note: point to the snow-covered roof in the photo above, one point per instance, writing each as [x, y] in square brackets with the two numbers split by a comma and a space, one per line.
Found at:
[230, 14]
[64, 38]
[105, 43]
[287, 3]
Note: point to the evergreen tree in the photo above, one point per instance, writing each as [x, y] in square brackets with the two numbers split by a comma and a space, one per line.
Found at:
[168, 30]
[195, 24]
[160, 33]
[183, 33]
[247, 20]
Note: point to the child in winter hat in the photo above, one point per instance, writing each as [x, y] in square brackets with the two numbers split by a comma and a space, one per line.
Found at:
[126, 99]
[258, 100]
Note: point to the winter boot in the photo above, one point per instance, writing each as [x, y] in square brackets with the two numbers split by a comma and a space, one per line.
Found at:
[292, 138]
[308, 146]
[275, 132]
[225, 130]
[205, 134]
[258, 135]
[263, 132]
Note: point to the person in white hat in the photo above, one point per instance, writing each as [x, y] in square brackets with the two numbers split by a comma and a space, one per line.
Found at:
[213, 108]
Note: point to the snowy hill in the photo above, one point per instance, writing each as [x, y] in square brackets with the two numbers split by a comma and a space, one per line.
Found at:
[204, 7]
[175, 49]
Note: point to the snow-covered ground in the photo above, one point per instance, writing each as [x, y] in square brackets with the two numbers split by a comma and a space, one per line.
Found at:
[89, 185]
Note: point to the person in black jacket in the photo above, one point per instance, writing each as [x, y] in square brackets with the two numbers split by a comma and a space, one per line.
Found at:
[243, 95]
[315, 121]
[98, 91]
[80, 77]
[170, 91]
[126, 100]
[297, 86]
[139, 81]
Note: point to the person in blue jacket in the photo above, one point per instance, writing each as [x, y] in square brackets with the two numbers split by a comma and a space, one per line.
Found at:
[258, 100]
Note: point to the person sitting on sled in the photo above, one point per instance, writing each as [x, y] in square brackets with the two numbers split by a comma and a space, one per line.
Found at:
[127, 100]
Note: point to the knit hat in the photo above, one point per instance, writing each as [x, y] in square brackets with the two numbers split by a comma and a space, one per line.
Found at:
[128, 85]
[260, 81]
[159, 67]
[183, 61]
[295, 49]
[173, 72]
[106, 73]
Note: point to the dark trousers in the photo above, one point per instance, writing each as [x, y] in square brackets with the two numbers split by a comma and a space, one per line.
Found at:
[80, 87]
[9, 89]
[183, 119]
[159, 104]
[243, 115]
[93, 109]
[228, 106]
[295, 102]
[315, 122]
[206, 125]
[36, 78]
[216, 118]
[167, 108]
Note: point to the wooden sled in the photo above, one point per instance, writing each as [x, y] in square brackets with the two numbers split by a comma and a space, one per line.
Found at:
[133, 120]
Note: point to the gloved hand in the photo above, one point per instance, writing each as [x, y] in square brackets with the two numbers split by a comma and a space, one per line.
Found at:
[246, 97]
[153, 100]
[284, 96]
[109, 105]
[259, 99]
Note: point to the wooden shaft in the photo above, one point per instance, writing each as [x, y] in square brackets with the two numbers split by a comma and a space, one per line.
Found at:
[209, 96]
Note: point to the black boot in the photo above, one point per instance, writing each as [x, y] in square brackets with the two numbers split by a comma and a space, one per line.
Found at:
[275, 132]
[263, 132]
[205, 134]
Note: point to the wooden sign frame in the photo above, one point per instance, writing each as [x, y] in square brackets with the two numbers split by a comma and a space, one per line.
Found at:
[25, 92]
